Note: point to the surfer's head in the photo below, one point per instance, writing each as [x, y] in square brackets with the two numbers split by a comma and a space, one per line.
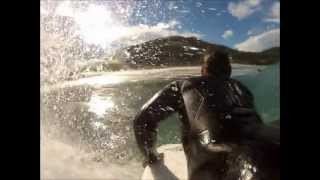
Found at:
[216, 64]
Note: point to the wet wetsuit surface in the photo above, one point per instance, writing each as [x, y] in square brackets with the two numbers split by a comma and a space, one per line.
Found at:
[222, 135]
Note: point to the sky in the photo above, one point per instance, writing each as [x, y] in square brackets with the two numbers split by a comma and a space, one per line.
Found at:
[249, 25]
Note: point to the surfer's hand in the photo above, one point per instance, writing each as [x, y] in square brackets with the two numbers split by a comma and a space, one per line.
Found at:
[152, 159]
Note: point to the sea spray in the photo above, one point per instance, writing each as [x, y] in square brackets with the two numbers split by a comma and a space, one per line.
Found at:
[64, 161]
[78, 140]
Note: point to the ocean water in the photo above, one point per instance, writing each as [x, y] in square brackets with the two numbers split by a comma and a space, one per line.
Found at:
[266, 89]
[86, 125]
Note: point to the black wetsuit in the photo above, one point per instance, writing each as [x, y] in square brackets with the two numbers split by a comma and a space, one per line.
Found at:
[222, 135]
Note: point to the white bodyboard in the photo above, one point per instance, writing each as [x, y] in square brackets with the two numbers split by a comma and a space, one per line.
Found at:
[174, 165]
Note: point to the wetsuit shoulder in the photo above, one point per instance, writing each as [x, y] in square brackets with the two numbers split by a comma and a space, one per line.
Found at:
[167, 96]
[193, 82]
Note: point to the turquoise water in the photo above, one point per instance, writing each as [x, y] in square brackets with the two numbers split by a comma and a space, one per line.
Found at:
[266, 89]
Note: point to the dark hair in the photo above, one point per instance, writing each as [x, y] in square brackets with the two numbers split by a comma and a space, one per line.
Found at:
[218, 64]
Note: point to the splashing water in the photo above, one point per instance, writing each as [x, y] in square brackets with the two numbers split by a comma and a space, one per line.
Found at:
[62, 161]
[86, 122]
[73, 32]
[86, 132]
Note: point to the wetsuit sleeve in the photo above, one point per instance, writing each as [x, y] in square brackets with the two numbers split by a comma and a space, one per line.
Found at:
[159, 107]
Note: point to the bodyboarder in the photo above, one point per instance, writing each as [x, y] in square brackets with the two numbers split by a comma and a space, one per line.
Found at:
[223, 136]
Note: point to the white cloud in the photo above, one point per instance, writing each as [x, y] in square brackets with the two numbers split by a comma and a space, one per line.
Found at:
[253, 3]
[257, 30]
[260, 42]
[227, 34]
[198, 4]
[243, 9]
[142, 33]
[274, 13]
[98, 25]
[275, 10]
[172, 5]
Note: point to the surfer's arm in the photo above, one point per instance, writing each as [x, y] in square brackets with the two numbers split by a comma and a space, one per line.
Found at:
[159, 107]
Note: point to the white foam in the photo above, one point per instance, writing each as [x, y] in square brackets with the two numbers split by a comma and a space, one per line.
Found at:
[63, 161]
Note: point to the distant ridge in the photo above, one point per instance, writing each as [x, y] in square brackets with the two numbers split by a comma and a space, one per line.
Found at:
[186, 51]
